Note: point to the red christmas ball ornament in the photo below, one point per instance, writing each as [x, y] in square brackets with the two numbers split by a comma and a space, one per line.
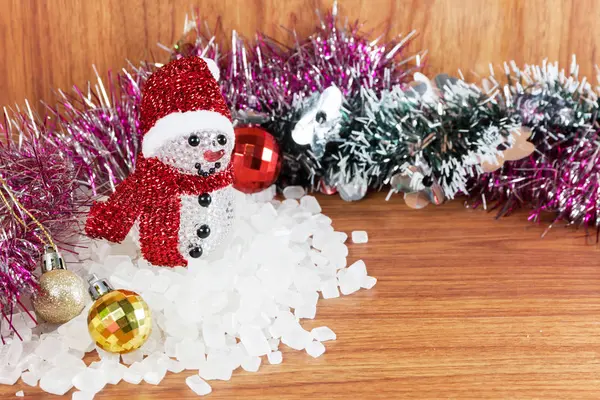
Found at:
[256, 159]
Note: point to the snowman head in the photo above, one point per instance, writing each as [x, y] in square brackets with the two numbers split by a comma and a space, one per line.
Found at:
[202, 152]
[185, 121]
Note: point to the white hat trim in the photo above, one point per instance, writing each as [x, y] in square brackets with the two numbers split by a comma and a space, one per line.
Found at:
[180, 124]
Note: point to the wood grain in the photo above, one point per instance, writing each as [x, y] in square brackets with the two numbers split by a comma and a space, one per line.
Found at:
[51, 44]
[466, 307]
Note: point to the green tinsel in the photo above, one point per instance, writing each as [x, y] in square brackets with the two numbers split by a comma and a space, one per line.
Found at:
[448, 136]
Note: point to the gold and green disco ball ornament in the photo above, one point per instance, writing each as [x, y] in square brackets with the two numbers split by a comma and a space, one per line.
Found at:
[119, 320]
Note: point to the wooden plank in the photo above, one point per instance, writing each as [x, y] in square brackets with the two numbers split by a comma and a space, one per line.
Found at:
[466, 306]
[51, 44]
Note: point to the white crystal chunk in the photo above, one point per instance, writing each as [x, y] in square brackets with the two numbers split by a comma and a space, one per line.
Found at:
[275, 357]
[90, 380]
[323, 334]
[56, 381]
[198, 385]
[293, 192]
[315, 349]
[360, 237]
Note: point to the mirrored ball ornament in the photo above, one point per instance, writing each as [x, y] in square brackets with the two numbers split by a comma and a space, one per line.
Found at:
[119, 321]
[256, 159]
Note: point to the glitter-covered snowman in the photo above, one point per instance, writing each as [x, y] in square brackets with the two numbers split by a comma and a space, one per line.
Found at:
[180, 193]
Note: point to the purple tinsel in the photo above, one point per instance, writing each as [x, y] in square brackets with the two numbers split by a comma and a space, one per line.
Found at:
[44, 183]
[266, 76]
[98, 128]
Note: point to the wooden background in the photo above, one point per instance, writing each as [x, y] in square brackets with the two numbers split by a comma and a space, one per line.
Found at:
[49, 44]
[466, 307]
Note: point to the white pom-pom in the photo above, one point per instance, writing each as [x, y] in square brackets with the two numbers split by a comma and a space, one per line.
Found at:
[213, 67]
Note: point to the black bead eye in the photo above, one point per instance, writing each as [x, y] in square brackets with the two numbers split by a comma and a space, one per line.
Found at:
[427, 181]
[222, 140]
[321, 117]
[193, 140]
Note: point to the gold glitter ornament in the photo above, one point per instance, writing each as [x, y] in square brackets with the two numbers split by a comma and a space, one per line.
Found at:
[62, 293]
[120, 320]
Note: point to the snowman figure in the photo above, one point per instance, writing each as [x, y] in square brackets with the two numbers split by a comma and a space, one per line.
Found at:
[180, 193]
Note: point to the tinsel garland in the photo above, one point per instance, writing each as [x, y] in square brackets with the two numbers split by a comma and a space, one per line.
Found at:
[561, 176]
[387, 126]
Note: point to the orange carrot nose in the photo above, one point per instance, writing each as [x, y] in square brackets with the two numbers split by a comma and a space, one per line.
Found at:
[212, 156]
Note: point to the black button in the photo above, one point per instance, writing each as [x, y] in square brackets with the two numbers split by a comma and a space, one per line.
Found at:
[222, 140]
[205, 174]
[196, 252]
[204, 199]
[217, 165]
[194, 140]
[203, 232]
[198, 165]
[211, 171]
[200, 172]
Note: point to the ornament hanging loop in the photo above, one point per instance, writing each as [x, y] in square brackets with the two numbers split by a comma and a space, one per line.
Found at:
[98, 287]
[52, 260]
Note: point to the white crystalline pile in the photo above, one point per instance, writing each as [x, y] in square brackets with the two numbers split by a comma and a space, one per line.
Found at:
[231, 311]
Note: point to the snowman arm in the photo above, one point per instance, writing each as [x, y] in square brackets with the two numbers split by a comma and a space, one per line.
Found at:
[113, 219]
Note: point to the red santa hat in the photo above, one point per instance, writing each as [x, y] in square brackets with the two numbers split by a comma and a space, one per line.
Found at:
[179, 98]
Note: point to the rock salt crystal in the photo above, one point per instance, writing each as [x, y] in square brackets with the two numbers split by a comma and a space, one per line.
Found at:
[329, 289]
[359, 237]
[114, 372]
[132, 357]
[14, 352]
[297, 338]
[56, 381]
[90, 380]
[29, 378]
[9, 375]
[254, 340]
[215, 370]
[275, 357]
[311, 204]
[315, 349]
[198, 385]
[134, 374]
[368, 282]
[83, 396]
[251, 364]
[49, 347]
[323, 334]
[293, 192]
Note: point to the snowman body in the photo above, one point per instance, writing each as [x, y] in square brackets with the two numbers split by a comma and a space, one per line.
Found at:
[205, 219]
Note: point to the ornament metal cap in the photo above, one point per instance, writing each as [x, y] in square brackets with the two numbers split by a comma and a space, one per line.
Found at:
[52, 260]
[98, 287]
